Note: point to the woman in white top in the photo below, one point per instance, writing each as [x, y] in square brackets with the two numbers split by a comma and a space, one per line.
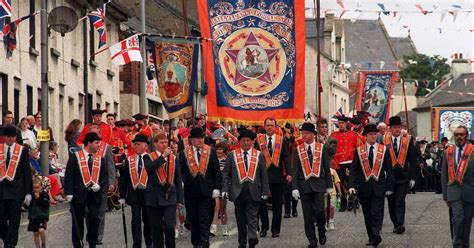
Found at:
[27, 135]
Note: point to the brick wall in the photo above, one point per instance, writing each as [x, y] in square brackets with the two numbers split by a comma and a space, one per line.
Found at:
[130, 77]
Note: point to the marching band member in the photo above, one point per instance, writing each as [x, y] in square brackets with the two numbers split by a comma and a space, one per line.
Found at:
[142, 127]
[133, 187]
[245, 182]
[372, 179]
[312, 178]
[86, 174]
[105, 129]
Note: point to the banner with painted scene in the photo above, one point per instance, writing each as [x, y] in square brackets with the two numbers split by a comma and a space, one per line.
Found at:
[445, 120]
[376, 89]
[254, 63]
[176, 74]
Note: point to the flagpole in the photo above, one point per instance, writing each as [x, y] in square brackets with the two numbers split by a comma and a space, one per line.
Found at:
[319, 84]
[142, 100]
[44, 145]
[406, 105]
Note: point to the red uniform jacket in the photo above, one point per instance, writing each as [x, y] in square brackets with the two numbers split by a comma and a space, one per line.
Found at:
[346, 144]
[105, 133]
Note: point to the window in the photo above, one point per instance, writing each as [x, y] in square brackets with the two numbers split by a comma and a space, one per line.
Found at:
[16, 105]
[4, 93]
[39, 100]
[29, 100]
[61, 111]
[71, 108]
[89, 107]
[92, 43]
[32, 25]
[155, 108]
[116, 107]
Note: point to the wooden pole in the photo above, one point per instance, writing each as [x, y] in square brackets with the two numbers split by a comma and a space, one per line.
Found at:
[319, 83]
[406, 105]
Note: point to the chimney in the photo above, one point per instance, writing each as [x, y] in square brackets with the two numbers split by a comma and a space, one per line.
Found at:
[327, 34]
[460, 66]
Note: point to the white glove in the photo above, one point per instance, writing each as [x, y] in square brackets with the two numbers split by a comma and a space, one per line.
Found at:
[95, 187]
[264, 197]
[122, 201]
[412, 184]
[69, 198]
[388, 193]
[296, 194]
[225, 195]
[27, 200]
[352, 191]
[329, 190]
[215, 193]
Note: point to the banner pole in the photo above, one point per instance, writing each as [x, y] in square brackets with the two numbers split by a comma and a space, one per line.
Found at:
[406, 105]
[320, 86]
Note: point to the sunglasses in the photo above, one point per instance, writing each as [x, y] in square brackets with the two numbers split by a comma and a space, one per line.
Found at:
[459, 134]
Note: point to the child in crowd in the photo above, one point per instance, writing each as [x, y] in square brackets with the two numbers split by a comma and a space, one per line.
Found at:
[221, 202]
[336, 184]
[38, 213]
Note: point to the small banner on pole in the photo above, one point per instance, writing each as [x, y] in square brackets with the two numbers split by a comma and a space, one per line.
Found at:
[43, 135]
[256, 60]
[375, 94]
[176, 73]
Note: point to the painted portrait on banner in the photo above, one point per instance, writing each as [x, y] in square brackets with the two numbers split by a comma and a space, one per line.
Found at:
[257, 63]
[375, 94]
[176, 73]
[446, 120]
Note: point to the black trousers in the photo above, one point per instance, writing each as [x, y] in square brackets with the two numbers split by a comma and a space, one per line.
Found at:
[341, 173]
[79, 210]
[200, 221]
[10, 216]
[276, 189]
[373, 208]
[139, 215]
[163, 220]
[290, 203]
[397, 205]
[462, 222]
[246, 214]
[313, 208]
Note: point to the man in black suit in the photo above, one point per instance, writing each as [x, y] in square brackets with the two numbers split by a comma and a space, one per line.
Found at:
[86, 174]
[132, 187]
[202, 182]
[402, 152]
[164, 192]
[15, 185]
[458, 185]
[275, 151]
[372, 178]
[312, 178]
[245, 182]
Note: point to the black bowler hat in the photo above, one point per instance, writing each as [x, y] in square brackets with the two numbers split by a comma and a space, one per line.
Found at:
[139, 116]
[307, 126]
[246, 134]
[444, 139]
[395, 121]
[121, 123]
[91, 137]
[10, 131]
[370, 128]
[356, 120]
[196, 132]
[140, 138]
[97, 111]
[342, 118]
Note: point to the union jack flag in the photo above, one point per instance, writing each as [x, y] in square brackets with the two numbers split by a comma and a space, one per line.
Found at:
[9, 35]
[97, 19]
[5, 8]
[338, 113]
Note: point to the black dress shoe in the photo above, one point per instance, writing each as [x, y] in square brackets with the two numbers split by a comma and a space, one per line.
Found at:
[295, 214]
[342, 210]
[370, 242]
[205, 244]
[313, 246]
[377, 240]
[322, 239]
[401, 229]
[286, 216]
[253, 243]
[263, 233]
[275, 235]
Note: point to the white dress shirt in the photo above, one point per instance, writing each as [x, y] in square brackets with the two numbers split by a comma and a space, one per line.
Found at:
[398, 141]
[376, 147]
[5, 150]
[273, 140]
[195, 154]
[306, 145]
[456, 155]
[249, 154]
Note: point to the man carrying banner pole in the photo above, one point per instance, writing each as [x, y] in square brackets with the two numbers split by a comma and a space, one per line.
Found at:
[274, 148]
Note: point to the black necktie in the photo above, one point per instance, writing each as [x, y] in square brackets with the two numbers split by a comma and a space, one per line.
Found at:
[395, 146]
[371, 157]
[90, 162]
[270, 146]
[310, 156]
[140, 165]
[246, 161]
[8, 157]
[459, 155]
[198, 154]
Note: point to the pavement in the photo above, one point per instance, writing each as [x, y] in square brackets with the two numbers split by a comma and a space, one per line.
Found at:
[427, 225]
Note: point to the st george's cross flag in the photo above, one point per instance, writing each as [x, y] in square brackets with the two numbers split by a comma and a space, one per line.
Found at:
[126, 51]
[97, 19]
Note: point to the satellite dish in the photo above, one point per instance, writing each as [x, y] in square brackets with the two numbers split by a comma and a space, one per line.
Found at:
[62, 19]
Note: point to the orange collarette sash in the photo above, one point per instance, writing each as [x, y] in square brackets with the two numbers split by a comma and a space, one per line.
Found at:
[84, 168]
[192, 164]
[138, 181]
[102, 147]
[243, 174]
[317, 154]
[275, 158]
[375, 171]
[458, 176]
[166, 170]
[10, 174]
[402, 154]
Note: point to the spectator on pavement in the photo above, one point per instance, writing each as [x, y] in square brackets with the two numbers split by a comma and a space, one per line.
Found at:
[38, 214]
[27, 135]
[71, 134]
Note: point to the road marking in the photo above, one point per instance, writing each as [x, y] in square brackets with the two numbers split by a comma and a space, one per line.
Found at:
[52, 215]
